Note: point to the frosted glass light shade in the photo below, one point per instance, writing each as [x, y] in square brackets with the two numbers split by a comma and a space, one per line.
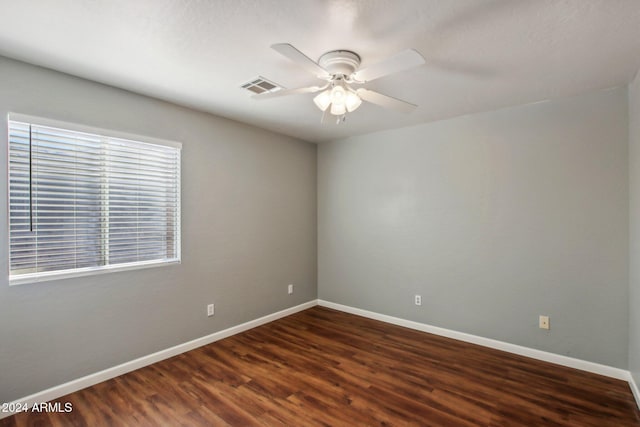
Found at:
[353, 101]
[323, 100]
[338, 95]
[338, 109]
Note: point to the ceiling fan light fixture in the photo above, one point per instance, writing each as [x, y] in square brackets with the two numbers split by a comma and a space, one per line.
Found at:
[323, 100]
[341, 98]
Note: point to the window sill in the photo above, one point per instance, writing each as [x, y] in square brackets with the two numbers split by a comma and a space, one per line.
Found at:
[24, 279]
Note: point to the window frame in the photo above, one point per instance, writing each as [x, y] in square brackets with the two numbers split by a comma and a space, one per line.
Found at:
[96, 270]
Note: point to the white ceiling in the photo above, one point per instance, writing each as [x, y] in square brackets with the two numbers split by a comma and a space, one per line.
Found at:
[480, 54]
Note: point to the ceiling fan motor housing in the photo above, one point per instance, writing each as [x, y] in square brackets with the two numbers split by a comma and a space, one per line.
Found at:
[342, 62]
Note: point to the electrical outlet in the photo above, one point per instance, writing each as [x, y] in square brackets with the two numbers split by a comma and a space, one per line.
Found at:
[210, 310]
[290, 289]
[544, 322]
[418, 300]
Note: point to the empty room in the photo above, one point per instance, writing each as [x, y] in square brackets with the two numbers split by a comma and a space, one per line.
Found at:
[320, 213]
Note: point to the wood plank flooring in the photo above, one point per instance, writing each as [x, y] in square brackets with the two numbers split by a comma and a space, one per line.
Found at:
[322, 367]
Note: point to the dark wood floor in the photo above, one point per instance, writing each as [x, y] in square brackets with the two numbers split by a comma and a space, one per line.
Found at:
[324, 367]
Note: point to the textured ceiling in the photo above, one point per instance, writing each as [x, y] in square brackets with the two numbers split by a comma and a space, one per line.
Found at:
[480, 55]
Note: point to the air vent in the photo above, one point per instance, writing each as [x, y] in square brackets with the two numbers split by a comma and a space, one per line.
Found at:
[261, 85]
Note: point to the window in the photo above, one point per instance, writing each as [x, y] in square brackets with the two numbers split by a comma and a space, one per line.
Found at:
[82, 202]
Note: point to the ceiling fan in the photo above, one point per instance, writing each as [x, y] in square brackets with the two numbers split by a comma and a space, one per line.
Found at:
[339, 68]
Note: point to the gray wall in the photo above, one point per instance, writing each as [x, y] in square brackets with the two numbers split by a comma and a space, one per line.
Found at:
[493, 218]
[634, 231]
[248, 230]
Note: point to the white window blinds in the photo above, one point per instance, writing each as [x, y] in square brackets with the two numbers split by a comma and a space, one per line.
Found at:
[81, 202]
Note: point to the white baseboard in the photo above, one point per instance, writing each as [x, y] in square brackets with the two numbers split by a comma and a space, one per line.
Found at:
[558, 359]
[89, 380]
[634, 390]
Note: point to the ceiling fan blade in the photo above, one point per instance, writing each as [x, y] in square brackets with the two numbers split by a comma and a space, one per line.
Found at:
[301, 59]
[385, 101]
[401, 61]
[286, 92]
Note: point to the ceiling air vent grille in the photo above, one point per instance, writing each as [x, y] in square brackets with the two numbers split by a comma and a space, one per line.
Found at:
[261, 85]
